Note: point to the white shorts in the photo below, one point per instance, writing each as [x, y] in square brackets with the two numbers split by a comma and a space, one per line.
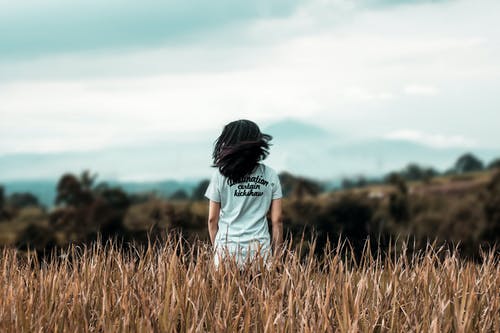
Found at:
[243, 253]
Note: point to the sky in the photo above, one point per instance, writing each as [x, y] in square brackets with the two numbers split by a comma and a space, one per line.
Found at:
[85, 75]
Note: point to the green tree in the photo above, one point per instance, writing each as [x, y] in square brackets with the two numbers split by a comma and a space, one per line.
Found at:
[3, 213]
[348, 216]
[114, 196]
[305, 187]
[2, 197]
[361, 181]
[298, 187]
[347, 183]
[87, 208]
[495, 164]
[397, 181]
[70, 192]
[429, 173]
[76, 191]
[414, 171]
[179, 195]
[87, 180]
[492, 209]
[199, 191]
[287, 182]
[22, 200]
[399, 206]
[468, 163]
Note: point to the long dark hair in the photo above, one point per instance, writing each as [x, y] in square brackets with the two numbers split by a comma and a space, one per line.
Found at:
[239, 149]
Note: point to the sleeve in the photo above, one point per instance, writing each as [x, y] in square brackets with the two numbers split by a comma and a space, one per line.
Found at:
[276, 186]
[213, 189]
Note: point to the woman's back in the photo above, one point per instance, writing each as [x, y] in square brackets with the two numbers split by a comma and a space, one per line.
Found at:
[241, 192]
[244, 205]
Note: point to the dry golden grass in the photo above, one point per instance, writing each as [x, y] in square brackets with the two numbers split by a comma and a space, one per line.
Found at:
[175, 287]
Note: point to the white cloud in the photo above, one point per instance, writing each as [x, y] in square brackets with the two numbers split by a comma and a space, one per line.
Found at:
[420, 89]
[435, 140]
[358, 93]
[92, 114]
[360, 73]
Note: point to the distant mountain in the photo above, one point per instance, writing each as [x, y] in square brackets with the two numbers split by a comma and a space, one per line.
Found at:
[329, 159]
[298, 147]
[162, 188]
[402, 152]
[379, 156]
[45, 190]
[292, 130]
[170, 160]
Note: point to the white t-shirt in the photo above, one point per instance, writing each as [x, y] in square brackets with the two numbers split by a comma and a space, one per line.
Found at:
[244, 205]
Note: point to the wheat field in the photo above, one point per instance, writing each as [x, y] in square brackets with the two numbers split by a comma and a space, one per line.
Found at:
[174, 287]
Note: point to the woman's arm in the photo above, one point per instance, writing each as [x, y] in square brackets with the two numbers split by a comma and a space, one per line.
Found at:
[213, 219]
[277, 224]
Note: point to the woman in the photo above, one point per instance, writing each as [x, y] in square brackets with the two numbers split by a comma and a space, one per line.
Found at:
[241, 192]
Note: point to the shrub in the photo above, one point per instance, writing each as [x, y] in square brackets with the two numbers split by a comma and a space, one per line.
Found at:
[468, 163]
[495, 164]
[398, 200]
[298, 187]
[2, 197]
[492, 209]
[179, 195]
[199, 191]
[349, 216]
[21, 200]
[414, 171]
[36, 237]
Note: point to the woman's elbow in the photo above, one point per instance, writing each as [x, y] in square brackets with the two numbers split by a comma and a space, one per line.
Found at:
[277, 220]
[213, 220]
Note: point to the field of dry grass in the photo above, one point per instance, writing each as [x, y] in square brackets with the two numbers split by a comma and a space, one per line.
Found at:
[174, 287]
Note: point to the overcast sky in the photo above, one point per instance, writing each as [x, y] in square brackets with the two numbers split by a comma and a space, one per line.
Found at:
[89, 74]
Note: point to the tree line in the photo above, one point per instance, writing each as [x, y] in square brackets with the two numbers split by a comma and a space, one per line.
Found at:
[468, 214]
